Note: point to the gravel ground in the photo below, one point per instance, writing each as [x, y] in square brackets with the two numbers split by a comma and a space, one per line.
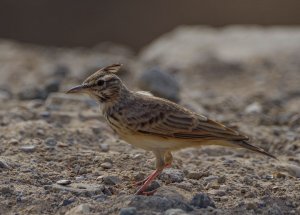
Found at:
[58, 156]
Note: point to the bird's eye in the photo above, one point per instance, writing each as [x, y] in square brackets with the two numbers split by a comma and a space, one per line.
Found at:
[100, 83]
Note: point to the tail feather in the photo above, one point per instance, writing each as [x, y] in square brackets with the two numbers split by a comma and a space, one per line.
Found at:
[246, 145]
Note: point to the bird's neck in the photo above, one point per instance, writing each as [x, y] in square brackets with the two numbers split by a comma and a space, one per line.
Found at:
[117, 100]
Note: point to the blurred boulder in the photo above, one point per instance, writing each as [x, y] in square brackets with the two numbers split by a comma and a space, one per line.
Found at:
[31, 92]
[160, 83]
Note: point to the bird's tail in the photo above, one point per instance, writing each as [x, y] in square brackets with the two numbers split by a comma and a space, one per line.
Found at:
[245, 144]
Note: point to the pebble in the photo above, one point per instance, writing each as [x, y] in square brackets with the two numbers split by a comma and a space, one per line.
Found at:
[128, 211]
[45, 114]
[175, 212]
[104, 147]
[202, 200]
[79, 178]
[172, 175]
[159, 202]
[153, 186]
[7, 190]
[255, 107]
[100, 198]
[30, 93]
[50, 141]
[251, 205]
[160, 83]
[106, 165]
[61, 71]
[210, 178]
[5, 95]
[66, 202]
[64, 182]
[13, 142]
[4, 164]
[222, 179]
[83, 189]
[194, 175]
[111, 180]
[79, 210]
[52, 86]
[28, 148]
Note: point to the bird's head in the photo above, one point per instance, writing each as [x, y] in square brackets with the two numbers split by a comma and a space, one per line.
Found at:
[104, 85]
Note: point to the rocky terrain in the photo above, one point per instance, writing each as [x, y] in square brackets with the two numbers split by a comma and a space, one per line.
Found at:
[58, 156]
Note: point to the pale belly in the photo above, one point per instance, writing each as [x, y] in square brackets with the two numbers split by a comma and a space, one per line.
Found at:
[149, 144]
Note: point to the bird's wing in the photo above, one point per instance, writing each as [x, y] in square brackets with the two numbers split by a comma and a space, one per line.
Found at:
[170, 120]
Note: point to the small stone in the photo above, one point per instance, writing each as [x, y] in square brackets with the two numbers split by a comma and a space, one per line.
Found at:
[202, 200]
[104, 147]
[268, 177]
[139, 176]
[61, 71]
[222, 179]
[52, 86]
[137, 156]
[128, 211]
[161, 201]
[4, 164]
[255, 107]
[213, 185]
[106, 165]
[13, 142]
[7, 190]
[45, 114]
[174, 211]
[153, 186]
[251, 206]
[79, 178]
[5, 95]
[50, 141]
[64, 182]
[100, 198]
[111, 180]
[160, 83]
[66, 202]
[28, 148]
[194, 175]
[172, 175]
[30, 93]
[210, 178]
[79, 210]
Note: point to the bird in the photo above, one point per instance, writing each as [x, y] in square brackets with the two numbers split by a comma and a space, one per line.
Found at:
[155, 124]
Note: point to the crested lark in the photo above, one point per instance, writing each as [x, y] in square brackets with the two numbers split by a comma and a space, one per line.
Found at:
[153, 123]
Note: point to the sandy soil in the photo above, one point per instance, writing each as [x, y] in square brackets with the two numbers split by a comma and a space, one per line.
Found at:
[58, 156]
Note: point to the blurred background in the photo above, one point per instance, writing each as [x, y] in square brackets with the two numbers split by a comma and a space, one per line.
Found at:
[133, 23]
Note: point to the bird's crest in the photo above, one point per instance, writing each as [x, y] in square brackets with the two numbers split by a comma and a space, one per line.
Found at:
[114, 68]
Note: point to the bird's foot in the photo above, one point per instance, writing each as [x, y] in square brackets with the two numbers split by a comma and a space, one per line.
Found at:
[146, 193]
[148, 180]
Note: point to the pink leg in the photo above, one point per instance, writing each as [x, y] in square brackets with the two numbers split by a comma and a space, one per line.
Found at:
[150, 178]
[138, 183]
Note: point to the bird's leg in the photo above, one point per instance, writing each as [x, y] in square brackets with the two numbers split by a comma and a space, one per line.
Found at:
[160, 163]
[168, 158]
[163, 160]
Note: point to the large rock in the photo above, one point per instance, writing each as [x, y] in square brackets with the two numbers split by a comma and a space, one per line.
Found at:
[190, 46]
[160, 83]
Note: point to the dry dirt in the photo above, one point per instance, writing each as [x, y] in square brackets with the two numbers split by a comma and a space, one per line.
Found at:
[57, 155]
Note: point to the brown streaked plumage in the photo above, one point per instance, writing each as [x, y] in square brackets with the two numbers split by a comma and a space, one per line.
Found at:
[153, 123]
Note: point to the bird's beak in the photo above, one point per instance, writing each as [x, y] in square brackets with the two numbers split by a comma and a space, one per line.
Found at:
[77, 89]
